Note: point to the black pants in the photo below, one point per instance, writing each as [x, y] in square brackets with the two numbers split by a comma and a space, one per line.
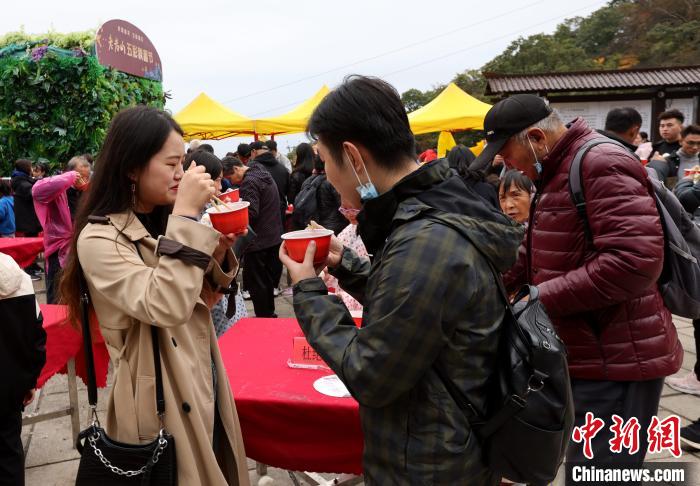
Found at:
[11, 452]
[53, 275]
[627, 399]
[34, 266]
[261, 273]
[696, 333]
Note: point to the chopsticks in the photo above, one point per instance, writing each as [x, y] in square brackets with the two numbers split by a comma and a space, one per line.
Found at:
[218, 203]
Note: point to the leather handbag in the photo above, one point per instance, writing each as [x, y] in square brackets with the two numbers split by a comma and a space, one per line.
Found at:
[107, 462]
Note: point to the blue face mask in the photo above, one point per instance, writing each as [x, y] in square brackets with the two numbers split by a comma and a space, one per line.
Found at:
[367, 191]
[538, 164]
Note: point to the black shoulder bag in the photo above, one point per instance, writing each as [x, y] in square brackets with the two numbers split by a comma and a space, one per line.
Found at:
[528, 426]
[106, 462]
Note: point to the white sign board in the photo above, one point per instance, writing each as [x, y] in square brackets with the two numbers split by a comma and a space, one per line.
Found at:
[594, 112]
[685, 106]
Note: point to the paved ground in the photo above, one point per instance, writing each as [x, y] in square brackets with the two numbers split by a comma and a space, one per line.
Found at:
[51, 459]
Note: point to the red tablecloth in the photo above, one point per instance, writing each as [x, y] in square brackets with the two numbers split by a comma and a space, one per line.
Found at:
[285, 422]
[23, 250]
[63, 343]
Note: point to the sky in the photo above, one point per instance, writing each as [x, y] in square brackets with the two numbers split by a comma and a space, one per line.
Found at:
[264, 57]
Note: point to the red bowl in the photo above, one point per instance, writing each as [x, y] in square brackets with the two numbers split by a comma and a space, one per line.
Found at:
[233, 218]
[232, 195]
[297, 241]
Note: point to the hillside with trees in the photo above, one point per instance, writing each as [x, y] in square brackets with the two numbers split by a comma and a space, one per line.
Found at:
[624, 34]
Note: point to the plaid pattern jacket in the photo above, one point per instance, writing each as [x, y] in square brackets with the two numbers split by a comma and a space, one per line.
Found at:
[430, 300]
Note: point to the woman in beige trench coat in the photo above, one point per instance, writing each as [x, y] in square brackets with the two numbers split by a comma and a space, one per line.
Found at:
[137, 280]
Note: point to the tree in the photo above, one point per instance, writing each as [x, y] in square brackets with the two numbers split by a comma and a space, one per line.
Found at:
[598, 34]
[622, 34]
[542, 53]
[413, 99]
[473, 82]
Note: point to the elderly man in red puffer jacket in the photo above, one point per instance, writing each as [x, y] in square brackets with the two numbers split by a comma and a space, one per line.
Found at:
[602, 298]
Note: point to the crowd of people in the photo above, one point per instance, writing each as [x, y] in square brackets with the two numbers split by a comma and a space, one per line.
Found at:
[133, 225]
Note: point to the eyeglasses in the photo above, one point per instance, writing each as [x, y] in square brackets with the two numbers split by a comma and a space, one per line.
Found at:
[692, 144]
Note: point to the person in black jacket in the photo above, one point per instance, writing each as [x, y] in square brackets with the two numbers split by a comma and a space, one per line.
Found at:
[459, 159]
[22, 356]
[262, 155]
[303, 167]
[26, 222]
[688, 193]
[261, 264]
[22, 182]
[622, 125]
[672, 168]
[327, 200]
[670, 126]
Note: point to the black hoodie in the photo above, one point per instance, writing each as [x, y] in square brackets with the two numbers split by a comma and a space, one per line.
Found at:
[25, 216]
[279, 174]
[259, 190]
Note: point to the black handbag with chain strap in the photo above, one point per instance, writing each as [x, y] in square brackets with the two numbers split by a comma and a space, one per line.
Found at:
[107, 462]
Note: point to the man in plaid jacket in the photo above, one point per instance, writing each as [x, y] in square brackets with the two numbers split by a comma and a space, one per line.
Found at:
[430, 298]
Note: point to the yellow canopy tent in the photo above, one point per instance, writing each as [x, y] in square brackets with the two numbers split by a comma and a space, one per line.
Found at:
[452, 110]
[210, 120]
[293, 121]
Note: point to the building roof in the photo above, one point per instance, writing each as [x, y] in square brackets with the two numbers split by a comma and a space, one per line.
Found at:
[681, 76]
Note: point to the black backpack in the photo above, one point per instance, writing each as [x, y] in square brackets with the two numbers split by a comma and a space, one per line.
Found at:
[679, 282]
[530, 414]
[306, 202]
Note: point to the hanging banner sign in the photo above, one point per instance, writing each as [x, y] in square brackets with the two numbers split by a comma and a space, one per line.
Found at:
[122, 46]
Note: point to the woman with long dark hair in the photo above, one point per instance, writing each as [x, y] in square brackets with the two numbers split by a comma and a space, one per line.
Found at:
[303, 167]
[148, 262]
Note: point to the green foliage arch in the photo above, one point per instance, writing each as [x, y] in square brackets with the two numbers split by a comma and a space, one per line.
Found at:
[56, 100]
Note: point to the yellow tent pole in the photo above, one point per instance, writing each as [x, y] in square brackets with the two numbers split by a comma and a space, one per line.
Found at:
[445, 142]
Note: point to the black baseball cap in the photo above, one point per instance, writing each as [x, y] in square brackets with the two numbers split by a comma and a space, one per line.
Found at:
[257, 145]
[507, 118]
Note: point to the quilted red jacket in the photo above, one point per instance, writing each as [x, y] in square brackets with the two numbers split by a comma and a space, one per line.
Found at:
[603, 300]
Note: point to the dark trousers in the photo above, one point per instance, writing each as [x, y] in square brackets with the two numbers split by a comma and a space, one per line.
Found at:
[627, 399]
[696, 333]
[11, 452]
[261, 273]
[34, 266]
[53, 275]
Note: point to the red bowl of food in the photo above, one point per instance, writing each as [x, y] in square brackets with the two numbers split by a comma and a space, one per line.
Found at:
[232, 195]
[230, 217]
[297, 241]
